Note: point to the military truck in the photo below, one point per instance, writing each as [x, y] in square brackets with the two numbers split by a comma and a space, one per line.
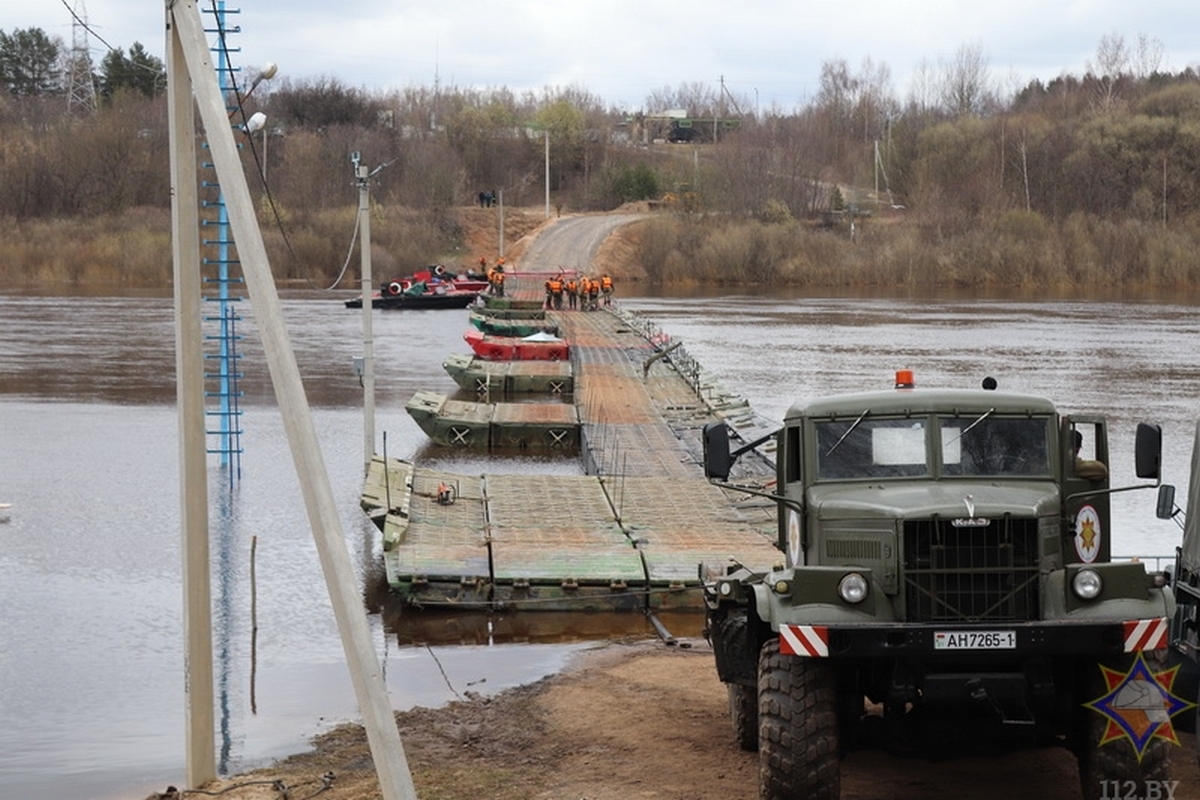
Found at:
[945, 583]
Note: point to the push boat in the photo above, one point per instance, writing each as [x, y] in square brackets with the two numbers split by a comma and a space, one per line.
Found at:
[430, 288]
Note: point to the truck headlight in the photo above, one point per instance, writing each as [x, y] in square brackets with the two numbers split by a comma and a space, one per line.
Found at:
[1087, 584]
[852, 588]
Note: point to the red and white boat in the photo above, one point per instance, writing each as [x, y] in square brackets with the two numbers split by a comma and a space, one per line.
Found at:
[538, 347]
[429, 288]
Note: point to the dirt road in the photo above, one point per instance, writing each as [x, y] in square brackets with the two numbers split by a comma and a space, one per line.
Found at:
[639, 720]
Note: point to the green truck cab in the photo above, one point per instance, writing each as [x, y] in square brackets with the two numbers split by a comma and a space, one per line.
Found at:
[946, 580]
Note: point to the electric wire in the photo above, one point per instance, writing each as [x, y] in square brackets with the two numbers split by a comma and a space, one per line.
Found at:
[240, 109]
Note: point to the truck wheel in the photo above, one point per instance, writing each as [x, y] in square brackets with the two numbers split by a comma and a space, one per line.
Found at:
[743, 710]
[798, 748]
[1103, 767]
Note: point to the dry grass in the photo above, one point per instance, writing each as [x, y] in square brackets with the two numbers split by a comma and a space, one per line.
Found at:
[1017, 250]
[1022, 250]
[132, 250]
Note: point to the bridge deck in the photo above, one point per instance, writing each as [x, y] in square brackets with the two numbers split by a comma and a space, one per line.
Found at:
[631, 534]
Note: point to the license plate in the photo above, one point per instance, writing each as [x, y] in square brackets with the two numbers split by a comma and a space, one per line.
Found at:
[974, 640]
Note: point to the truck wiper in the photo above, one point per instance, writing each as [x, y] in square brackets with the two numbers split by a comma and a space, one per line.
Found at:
[964, 431]
[849, 431]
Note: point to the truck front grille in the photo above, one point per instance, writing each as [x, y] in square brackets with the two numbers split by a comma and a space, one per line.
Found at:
[971, 574]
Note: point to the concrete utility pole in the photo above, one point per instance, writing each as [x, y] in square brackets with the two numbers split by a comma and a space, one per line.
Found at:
[193, 62]
[193, 445]
[368, 376]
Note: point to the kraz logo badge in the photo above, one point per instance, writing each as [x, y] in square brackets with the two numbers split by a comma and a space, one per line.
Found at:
[1139, 705]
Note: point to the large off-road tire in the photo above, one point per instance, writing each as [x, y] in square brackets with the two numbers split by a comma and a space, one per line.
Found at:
[798, 748]
[743, 711]
[1114, 769]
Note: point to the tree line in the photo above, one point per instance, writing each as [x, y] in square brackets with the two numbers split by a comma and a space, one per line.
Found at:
[1116, 144]
[33, 64]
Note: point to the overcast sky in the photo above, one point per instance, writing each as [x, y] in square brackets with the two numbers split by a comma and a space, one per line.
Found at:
[622, 50]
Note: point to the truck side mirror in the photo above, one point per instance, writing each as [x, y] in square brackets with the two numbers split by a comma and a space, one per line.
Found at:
[717, 462]
[1166, 502]
[1148, 451]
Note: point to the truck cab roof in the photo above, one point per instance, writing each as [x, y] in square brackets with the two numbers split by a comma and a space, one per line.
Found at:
[914, 402]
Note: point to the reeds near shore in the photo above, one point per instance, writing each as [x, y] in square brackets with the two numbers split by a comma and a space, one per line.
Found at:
[132, 251]
[1018, 250]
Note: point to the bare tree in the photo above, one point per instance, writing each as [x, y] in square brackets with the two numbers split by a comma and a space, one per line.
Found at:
[696, 98]
[1147, 56]
[875, 102]
[1112, 61]
[965, 82]
[922, 89]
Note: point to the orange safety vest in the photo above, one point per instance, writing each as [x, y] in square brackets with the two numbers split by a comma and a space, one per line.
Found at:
[606, 282]
[556, 285]
[571, 287]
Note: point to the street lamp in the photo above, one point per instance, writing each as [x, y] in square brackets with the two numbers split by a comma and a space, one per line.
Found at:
[265, 74]
[258, 122]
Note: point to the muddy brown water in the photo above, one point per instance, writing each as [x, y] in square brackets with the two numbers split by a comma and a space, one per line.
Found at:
[91, 684]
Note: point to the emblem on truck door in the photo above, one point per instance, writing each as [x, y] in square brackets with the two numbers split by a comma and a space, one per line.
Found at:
[1087, 534]
[793, 537]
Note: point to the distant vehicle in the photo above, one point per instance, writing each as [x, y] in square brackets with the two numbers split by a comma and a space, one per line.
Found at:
[945, 580]
[700, 130]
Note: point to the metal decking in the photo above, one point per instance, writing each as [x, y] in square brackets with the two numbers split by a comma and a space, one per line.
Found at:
[630, 535]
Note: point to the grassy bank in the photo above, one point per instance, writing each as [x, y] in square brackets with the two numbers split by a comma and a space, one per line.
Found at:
[132, 251]
[1017, 250]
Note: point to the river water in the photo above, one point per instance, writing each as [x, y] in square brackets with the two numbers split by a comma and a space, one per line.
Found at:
[91, 683]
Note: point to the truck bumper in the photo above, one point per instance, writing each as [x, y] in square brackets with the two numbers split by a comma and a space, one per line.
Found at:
[930, 642]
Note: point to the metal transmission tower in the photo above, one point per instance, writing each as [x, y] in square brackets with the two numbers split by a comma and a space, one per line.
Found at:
[221, 373]
[81, 84]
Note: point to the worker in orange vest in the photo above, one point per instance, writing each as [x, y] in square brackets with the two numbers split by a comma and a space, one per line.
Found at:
[593, 295]
[572, 294]
[556, 291]
[606, 287]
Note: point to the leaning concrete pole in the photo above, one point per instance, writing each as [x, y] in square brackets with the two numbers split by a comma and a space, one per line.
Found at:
[193, 460]
[364, 220]
[395, 782]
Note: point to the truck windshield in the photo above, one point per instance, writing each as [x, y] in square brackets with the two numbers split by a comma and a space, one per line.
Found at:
[992, 445]
[871, 448]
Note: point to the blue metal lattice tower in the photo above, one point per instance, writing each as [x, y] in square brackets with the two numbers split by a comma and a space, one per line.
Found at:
[222, 374]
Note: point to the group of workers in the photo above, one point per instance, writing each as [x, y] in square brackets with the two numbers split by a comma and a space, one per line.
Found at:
[584, 293]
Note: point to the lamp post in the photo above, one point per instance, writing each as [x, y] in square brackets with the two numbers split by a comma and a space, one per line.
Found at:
[265, 74]
[258, 122]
